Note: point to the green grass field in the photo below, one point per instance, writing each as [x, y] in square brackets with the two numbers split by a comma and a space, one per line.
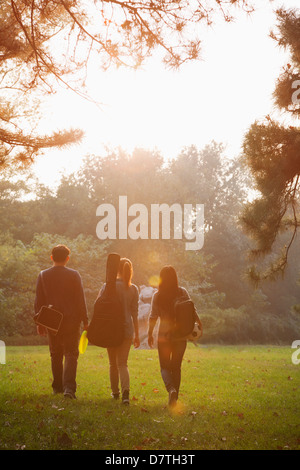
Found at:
[242, 397]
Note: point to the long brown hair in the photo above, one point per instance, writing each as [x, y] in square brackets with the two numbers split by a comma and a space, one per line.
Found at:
[168, 287]
[125, 271]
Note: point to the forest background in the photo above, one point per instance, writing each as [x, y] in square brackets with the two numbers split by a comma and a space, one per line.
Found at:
[35, 217]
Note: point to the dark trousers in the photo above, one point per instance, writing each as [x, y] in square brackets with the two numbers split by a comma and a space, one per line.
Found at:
[170, 357]
[64, 346]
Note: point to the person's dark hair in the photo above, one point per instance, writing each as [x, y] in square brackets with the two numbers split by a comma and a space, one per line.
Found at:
[126, 271]
[60, 253]
[168, 287]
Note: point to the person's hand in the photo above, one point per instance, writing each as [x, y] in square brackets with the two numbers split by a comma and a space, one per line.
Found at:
[150, 341]
[200, 326]
[136, 342]
[41, 330]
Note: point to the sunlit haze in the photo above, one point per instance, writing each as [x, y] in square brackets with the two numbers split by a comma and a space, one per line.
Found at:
[217, 98]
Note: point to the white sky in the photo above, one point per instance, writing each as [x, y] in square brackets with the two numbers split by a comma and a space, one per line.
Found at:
[217, 98]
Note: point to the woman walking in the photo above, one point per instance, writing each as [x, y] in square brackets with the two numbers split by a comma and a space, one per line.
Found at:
[170, 351]
[118, 356]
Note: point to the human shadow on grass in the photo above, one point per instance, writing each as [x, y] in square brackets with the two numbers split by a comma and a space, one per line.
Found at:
[37, 402]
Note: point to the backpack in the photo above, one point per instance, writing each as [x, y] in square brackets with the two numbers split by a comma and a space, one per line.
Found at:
[185, 325]
[106, 329]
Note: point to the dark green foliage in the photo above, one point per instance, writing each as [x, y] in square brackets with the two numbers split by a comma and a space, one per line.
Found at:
[20, 265]
[272, 153]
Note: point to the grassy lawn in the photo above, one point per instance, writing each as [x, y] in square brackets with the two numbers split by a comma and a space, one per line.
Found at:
[242, 397]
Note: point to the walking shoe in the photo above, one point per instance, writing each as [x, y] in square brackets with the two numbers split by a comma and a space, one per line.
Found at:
[172, 397]
[125, 397]
[69, 394]
[115, 396]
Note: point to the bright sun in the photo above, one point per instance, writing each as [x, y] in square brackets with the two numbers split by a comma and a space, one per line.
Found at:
[214, 99]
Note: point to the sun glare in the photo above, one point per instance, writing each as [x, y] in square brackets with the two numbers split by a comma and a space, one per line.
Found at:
[215, 99]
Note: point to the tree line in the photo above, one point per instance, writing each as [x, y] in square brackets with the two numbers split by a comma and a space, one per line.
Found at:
[126, 34]
[35, 217]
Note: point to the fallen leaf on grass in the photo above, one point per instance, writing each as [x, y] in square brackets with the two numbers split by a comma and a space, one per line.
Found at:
[155, 390]
[241, 415]
[64, 440]
[148, 440]
[144, 410]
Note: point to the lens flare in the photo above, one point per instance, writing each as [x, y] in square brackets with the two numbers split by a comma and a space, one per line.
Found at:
[153, 281]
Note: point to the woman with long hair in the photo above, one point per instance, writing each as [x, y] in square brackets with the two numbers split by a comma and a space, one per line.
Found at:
[118, 356]
[170, 351]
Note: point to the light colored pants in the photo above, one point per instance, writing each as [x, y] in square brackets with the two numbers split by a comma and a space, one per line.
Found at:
[118, 369]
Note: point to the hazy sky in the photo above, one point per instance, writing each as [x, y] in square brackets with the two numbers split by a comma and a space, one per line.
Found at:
[217, 98]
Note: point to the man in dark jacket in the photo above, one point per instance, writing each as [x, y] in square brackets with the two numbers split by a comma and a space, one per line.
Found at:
[62, 288]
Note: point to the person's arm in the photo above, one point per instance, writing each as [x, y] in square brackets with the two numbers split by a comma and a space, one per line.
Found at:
[39, 301]
[40, 298]
[136, 340]
[154, 313]
[81, 303]
[197, 320]
[134, 314]
[151, 325]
